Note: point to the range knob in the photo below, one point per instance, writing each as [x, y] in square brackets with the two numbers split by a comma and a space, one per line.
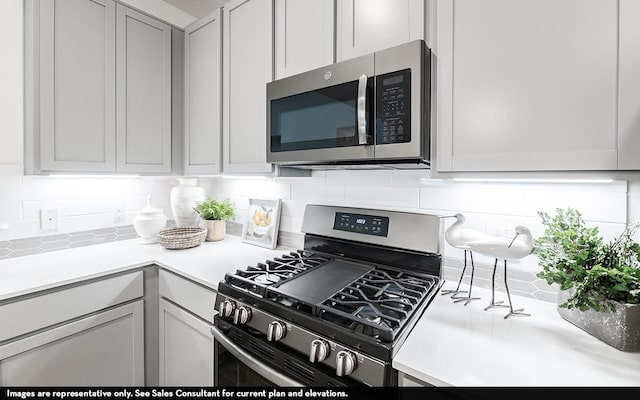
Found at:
[345, 363]
[227, 308]
[242, 315]
[319, 350]
[276, 331]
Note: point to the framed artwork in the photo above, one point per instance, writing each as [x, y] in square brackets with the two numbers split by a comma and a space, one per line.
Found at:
[262, 223]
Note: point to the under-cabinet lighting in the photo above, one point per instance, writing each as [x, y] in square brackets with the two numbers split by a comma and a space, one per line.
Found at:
[74, 176]
[251, 177]
[524, 180]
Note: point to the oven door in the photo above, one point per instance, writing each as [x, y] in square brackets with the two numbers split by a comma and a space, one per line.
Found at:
[322, 115]
[244, 359]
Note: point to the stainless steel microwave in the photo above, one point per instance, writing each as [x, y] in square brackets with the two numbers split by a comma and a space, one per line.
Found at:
[369, 110]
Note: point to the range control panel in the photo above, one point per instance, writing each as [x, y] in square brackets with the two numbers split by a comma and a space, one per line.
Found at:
[393, 108]
[359, 223]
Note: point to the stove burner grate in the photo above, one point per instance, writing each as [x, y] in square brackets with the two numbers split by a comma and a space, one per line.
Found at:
[256, 279]
[379, 303]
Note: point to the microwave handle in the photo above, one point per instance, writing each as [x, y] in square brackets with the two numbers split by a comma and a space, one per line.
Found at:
[252, 362]
[362, 110]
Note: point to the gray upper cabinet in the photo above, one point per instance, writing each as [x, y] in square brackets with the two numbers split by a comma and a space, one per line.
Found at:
[304, 36]
[247, 67]
[629, 86]
[77, 85]
[97, 88]
[531, 85]
[203, 95]
[365, 26]
[144, 93]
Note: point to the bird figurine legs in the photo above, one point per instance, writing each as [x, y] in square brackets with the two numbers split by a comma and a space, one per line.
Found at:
[467, 299]
[457, 290]
[519, 312]
[493, 302]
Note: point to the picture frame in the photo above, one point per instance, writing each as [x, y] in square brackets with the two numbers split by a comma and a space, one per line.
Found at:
[262, 222]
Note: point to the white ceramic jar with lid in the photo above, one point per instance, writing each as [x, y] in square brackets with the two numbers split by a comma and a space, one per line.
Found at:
[148, 222]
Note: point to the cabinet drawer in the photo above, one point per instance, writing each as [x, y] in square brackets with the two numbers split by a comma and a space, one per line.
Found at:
[39, 311]
[188, 294]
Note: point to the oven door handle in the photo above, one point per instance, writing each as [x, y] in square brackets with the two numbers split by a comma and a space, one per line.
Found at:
[252, 362]
[362, 110]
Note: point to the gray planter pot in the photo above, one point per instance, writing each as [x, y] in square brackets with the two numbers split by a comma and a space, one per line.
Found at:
[620, 329]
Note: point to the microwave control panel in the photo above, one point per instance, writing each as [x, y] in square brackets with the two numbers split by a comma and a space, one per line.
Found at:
[358, 223]
[393, 107]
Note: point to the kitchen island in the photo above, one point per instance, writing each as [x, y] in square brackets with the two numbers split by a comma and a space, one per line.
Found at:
[451, 345]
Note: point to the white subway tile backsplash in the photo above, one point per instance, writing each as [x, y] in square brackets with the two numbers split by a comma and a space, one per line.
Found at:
[390, 197]
[411, 178]
[589, 203]
[10, 212]
[357, 177]
[266, 189]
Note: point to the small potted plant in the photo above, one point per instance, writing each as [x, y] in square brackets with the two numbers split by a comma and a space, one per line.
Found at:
[599, 282]
[215, 215]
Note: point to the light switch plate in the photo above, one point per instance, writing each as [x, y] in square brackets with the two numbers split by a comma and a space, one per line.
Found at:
[49, 219]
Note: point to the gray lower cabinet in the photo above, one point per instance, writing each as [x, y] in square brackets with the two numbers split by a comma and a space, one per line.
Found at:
[105, 349]
[186, 348]
[57, 340]
[405, 380]
[185, 320]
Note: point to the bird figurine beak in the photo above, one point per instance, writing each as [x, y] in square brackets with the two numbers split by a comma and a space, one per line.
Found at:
[514, 239]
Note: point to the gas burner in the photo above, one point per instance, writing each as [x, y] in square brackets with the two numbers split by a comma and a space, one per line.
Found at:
[267, 279]
[379, 303]
[256, 279]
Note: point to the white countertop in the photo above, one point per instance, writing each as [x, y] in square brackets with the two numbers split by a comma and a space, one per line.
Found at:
[457, 345]
[205, 264]
[451, 345]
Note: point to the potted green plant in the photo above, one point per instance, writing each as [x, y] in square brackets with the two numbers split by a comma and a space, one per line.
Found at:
[599, 282]
[215, 214]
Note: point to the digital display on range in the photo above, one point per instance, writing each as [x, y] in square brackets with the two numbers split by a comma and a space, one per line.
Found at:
[365, 224]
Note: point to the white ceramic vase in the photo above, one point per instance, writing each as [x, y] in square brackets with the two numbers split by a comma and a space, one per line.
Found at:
[148, 222]
[216, 229]
[183, 199]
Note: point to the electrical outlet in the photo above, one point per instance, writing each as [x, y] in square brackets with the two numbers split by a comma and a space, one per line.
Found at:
[118, 214]
[49, 219]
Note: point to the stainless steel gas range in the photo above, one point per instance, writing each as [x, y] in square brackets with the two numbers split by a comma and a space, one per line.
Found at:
[335, 312]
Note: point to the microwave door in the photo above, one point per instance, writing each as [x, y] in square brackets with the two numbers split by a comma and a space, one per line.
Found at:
[331, 121]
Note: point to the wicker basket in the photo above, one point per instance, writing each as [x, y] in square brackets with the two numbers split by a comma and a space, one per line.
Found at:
[182, 238]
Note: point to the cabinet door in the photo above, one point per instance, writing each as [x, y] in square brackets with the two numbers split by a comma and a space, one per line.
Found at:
[629, 86]
[366, 26]
[247, 67]
[203, 95]
[186, 348]
[77, 85]
[304, 35]
[144, 93]
[105, 349]
[526, 85]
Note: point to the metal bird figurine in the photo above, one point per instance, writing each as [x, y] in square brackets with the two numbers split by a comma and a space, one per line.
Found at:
[505, 249]
[457, 236]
